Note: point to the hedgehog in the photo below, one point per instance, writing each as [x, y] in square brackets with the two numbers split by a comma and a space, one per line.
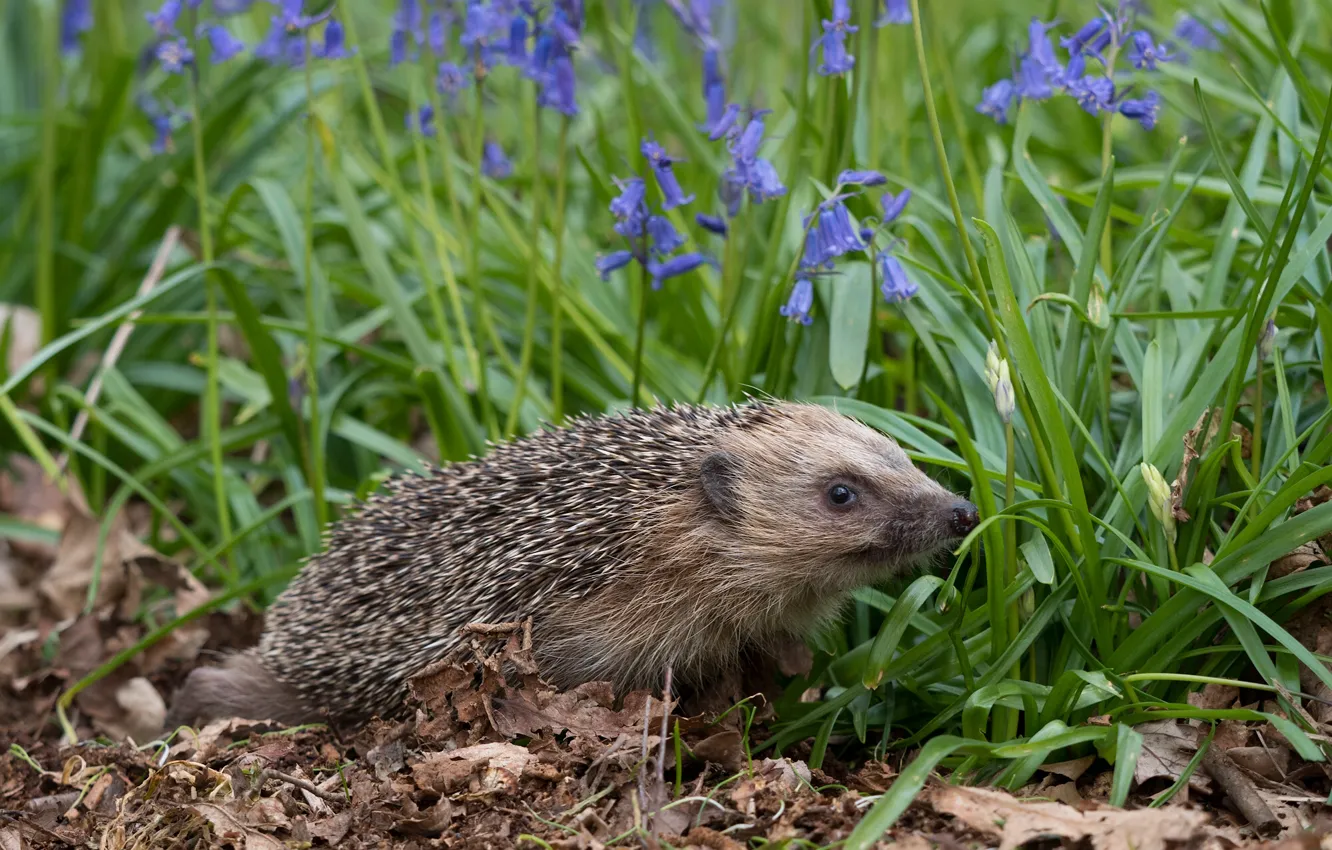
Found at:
[684, 538]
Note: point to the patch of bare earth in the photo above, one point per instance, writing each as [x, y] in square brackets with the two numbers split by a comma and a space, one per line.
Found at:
[491, 754]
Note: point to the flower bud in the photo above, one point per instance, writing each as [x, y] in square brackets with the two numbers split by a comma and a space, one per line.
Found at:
[992, 365]
[1096, 311]
[1004, 401]
[1266, 340]
[1158, 498]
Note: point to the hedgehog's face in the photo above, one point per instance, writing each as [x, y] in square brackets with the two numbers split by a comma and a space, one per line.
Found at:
[823, 495]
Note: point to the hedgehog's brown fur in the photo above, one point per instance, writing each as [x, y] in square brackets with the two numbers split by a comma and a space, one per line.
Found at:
[680, 536]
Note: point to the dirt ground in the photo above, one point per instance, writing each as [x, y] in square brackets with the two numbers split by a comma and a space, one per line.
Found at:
[492, 757]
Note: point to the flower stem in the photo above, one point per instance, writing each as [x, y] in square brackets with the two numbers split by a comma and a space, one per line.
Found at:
[642, 329]
[432, 221]
[315, 456]
[1107, 124]
[474, 267]
[437, 231]
[534, 237]
[1106, 247]
[557, 292]
[936, 132]
[45, 293]
[1256, 448]
[212, 406]
[730, 301]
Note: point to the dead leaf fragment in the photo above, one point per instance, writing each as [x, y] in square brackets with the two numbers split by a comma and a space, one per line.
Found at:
[1167, 748]
[1016, 822]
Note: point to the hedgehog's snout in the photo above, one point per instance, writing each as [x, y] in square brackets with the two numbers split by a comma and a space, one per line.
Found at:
[963, 518]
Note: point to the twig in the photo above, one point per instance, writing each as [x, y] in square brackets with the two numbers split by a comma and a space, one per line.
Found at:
[303, 784]
[121, 338]
[20, 818]
[1242, 792]
[666, 706]
[641, 802]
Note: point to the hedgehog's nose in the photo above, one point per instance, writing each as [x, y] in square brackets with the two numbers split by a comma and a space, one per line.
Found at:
[965, 518]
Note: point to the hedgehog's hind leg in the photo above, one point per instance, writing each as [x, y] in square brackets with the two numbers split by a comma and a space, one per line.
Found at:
[242, 687]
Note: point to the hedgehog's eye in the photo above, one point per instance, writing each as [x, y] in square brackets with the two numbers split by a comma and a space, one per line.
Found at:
[841, 495]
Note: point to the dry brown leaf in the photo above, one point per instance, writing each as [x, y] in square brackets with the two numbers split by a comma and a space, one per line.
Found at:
[25, 334]
[996, 813]
[142, 712]
[499, 764]
[1268, 762]
[1070, 769]
[1300, 559]
[723, 748]
[1167, 748]
[1214, 696]
[789, 774]
[332, 829]
[235, 822]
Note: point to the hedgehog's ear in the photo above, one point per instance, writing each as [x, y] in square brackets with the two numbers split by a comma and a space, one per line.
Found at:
[720, 475]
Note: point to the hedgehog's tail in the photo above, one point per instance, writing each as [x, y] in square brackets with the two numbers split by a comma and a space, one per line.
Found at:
[242, 687]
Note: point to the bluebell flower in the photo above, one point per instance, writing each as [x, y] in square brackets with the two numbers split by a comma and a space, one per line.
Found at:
[711, 223]
[1196, 33]
[291, 16]
[725, 123]
[1092, 38]
[1143, 110]
[559, 84]
[612, 261]
[485, 25]
[800, 302]
[226, 8]
[663, 235]
[744, 148]
[997, 101]
[695, 17]
[836, 60]
[714, 96]
[830, 235]
[674, 267]
[630, 207]
[896, 286]
[1093, 94]
[334, 46]
[893, 205]
[223, 44]
[861, 178]
[450, 79]
[174, 55]
[397, 48]
[437, 34]
[661, 164]
[1032, 81]
[515, 52]
[867, 235]
[76, 18]
[731, 192]
[1039, 48]
[566, 21]
[494, 164]
[163, 121]
[281, 45]
[764, 184]
[406, 21]
[163, 21]
[894, 12]
[423, 121]
[1144, 53]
